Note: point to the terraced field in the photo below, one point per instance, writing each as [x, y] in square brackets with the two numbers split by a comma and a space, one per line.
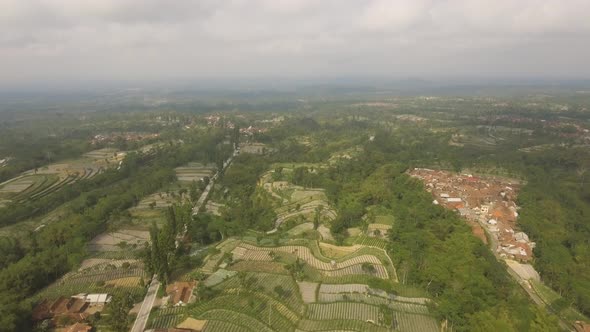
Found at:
[194, 172]
[348, 266]
[100, 278]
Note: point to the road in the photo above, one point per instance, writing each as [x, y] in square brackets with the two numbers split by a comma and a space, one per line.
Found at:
[205, 193]
[523, 283]
[150, 297]
[146, 306]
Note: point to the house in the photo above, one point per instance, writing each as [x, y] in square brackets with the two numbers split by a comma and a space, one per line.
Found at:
[72, 307]
[492, 222]
[94, 299]
[454, 200]
[180, 292]
[521, 237]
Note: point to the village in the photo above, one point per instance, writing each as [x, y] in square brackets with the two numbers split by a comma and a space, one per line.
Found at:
[487, 203]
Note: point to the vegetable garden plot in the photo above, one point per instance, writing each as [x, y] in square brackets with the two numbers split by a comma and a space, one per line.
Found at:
[343, 310]
[414, 323]
[237, 318]
[373, 300]
[259, 266]
[305, 254]
[344, 288]
[255, 305]
[211, 263]
[167, 318]
[281, 288]
[221, 326]
[339, 325]
[218, 277]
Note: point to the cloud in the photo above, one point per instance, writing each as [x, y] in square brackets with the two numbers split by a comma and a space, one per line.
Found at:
[141, 38]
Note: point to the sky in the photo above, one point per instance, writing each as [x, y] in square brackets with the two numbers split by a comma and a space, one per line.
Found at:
[71, 40]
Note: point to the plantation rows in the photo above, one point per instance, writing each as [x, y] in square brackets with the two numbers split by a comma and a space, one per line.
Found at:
[373, 300]
[344, 310]
[167, 318]
[305, 254]
[245, 321]
[338, 325]
[55, 291]
[221, 326]
[346, 288]
[415, 323]
[267, 283]
[380, 271]
[251, 255]
[212, 262]
[254, 305]
[90, 276]
[228, 245]
[37, 186]
[371, 241]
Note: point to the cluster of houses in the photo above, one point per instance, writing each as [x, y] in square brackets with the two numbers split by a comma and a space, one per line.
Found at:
[77, 309]
[485, 202]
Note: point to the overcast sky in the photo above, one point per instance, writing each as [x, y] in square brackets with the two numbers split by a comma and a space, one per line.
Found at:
[44, 40]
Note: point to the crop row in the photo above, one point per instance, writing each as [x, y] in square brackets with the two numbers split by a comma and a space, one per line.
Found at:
[280, 287]
[167, 318]
[305, 254]
[338, 325]
[371, 241]
[373, 300]
[414, 323]
[255, 305]
[343, 310]
[222, 326]
[237, 318]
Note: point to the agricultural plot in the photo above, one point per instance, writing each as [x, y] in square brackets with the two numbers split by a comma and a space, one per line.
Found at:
[258, 306]
[119, 240]
[194, 172]
[166, 318]
[378, 230]
[340, 325]
[221, 326]
[308, 291]
[280, 287]
[211, 262]
[245, 322]
[218, 277]
[353, 265]
[343, 310]
[214, 208]
[258, 266]
[100, 263]
[296, 202]
[159, 200]
[373, 300]
[369, 241]
[40, 182]
[414, 323]
[104, 278]
[300, 229]
[385, 219]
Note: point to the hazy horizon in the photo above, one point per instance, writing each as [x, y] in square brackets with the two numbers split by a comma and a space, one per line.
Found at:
[66, 42]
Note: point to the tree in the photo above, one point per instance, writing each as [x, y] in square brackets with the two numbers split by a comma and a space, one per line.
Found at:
[317, 216]
[118, 312]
